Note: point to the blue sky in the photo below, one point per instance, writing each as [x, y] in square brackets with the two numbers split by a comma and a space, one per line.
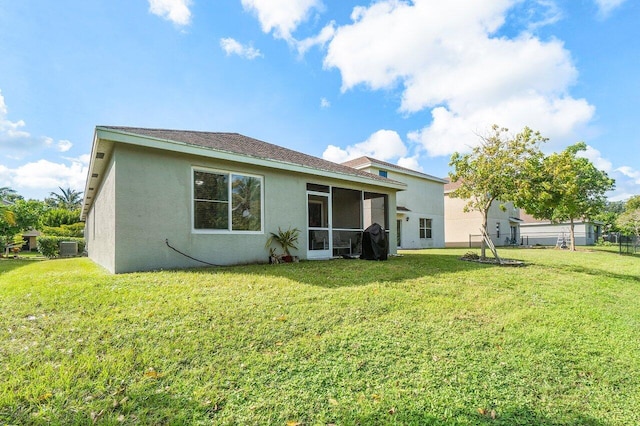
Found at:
[408, 82]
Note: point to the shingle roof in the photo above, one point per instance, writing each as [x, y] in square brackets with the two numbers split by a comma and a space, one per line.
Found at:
[365, 161]
[244, 145]
[451, 186]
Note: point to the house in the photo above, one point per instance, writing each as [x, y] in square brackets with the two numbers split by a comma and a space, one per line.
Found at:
[546, 233]
[173, 199]
[30, 238]
[462, 229]
[420, 208]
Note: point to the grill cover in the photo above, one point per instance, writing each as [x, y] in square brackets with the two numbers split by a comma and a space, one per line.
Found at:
[374, 243]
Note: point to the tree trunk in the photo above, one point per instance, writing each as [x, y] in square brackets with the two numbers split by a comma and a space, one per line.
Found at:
[483, 247]
[572, 235]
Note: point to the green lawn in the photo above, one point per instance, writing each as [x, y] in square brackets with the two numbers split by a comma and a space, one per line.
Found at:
[421, 339]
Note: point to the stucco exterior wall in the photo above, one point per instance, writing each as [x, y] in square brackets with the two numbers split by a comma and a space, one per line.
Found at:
[153, 204]
[462, 229]
[100, 226]
[425, 199]
[547, 234]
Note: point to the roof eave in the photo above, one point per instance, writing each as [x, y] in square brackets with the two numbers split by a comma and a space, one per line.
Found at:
[372, 162]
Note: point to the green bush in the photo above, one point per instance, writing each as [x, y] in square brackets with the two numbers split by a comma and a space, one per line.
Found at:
[74, 230]
[57, 217]
[50, 246]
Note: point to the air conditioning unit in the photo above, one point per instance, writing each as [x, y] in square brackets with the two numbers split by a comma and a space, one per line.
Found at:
[68, 248]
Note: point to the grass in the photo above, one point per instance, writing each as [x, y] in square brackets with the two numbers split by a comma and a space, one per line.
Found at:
[421, 339]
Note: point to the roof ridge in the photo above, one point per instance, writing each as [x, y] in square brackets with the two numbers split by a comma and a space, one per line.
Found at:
[358, 161]
[237, 143]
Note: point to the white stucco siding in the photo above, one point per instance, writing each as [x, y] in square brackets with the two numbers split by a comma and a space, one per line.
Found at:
[154, 204]
[463, 228]
[100, 227]
[424, 198]
[548, 234]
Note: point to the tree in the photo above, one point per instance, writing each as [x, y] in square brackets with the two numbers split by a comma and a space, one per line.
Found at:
[7, 216]
[69, 199]
[9, 194]
[56, 217]
[24, 215]
[632, 203]
[566, 187]
[494, 170]
[609, 215]
[629, 220]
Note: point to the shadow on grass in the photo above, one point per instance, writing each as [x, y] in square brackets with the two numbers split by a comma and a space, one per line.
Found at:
[8, 265]
[340, 273]
[511, 417]
[600, 273]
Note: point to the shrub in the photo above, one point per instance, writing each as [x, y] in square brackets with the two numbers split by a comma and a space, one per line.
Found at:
[74, 230]
[50, 246]
[57, 217]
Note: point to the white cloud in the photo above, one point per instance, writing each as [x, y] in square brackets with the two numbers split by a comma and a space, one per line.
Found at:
[559, 119]
[64, 145]
[16, 141]
[281, 16]
[325, 35]
[324, 103]
[627, 183]
[410, 163]
[10, 131]
[233, 47]
[445, 56]
[542, 13]
[596, 159]
[176, 11]
[45, 176]
[630, 173]
[606, 6]
[383, 145]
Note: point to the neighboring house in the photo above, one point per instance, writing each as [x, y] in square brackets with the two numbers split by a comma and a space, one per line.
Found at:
[217, 197]
[420, 208]
[462, 229]
[546, 233]
[30, 238]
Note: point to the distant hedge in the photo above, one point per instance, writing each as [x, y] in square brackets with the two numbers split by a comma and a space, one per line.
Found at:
[50, 246]
[75, 230]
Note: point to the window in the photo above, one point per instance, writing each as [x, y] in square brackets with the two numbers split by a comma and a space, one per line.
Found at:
[425, 228]
[226, 201]
[382, 173]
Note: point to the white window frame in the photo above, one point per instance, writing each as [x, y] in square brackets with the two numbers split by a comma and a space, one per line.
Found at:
[230, 175]
[424, 228]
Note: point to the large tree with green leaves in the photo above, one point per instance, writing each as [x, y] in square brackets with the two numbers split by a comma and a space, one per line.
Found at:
[629, 220]
[565, 187]
[495, 169]
[68, 199]
[609, 215]
[632, 203]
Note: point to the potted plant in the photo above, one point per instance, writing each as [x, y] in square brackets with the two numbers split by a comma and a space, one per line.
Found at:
[287, 239]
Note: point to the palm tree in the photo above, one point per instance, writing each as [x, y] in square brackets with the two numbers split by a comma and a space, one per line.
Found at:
[9, 194]
[69, 199]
